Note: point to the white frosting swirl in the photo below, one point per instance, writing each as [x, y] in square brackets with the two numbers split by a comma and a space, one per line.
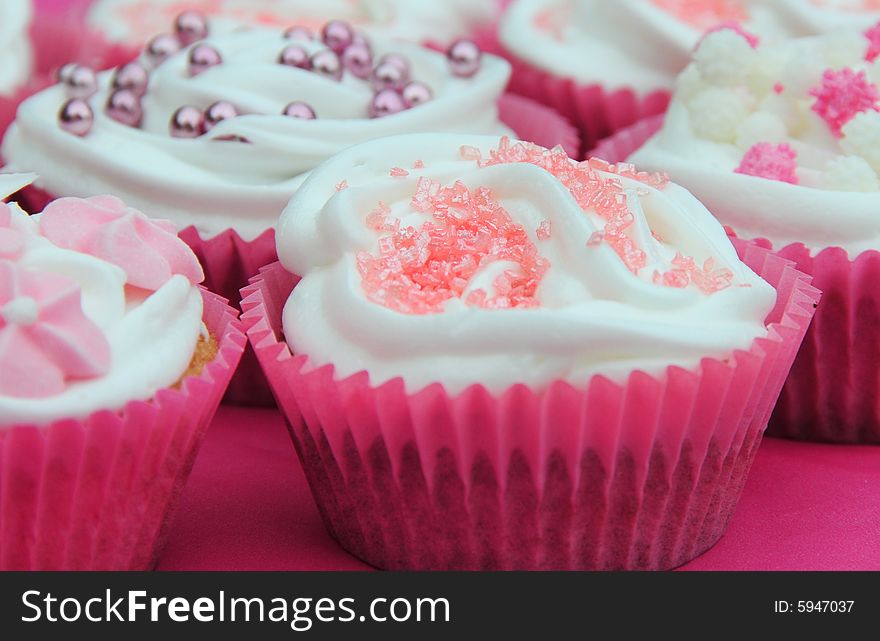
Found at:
[135, 21]
[727, 101]
[152, 335]
[216, 185]
[595, 315]
[17, 58]
[643, 44]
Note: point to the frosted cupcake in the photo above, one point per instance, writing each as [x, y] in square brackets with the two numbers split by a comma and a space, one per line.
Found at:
[17, 59]
[112, 363]
[135, 21]
[605, 65]
[500, 358]
[780, 142]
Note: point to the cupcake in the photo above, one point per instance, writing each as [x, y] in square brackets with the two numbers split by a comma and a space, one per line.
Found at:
[605, 65]
[500, 358]
[135, 21]
[780, 142]
[17, 59]
[218, 136]
[112, 363]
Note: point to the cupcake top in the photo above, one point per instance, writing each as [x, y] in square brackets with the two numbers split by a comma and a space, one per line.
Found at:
[134, 21]
[98, 307]
[773, 139]
[644, 44]
[220, 134]
[465, 260]
[17, 59]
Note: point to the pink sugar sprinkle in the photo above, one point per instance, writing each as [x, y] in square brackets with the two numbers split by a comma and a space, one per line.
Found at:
[873, 36]
[842, 96]
[657, 180]
[685, 272]
[380, 219]
[342, 185]
[543, 230]
[417, 271]
[419, 164]
[470, 153]
[596, 239]
[736, 27]
[779, 87]
[399, 172]
[773, 162]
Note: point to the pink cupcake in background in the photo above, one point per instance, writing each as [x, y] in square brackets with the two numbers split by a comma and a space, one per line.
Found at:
[781, 144]
[16, 62]
[607, 64]
[217, 136]
[499, 358]
[112, 363]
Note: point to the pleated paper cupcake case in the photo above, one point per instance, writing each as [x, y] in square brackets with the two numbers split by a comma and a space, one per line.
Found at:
[97, 494]
[638, 476]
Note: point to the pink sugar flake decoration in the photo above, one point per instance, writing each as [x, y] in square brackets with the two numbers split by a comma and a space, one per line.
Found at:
[12, 241]
[470, 153]
[149, 251]
[843, 95]
[418, 270]
[399, 172]
[657, 180]
[596, 239]
[419, 164]
[737, 28]
[773, 162]
[46, 340]
[342, 185]
[873, 36]
[685, 272]
[544, 230]
[380, 219]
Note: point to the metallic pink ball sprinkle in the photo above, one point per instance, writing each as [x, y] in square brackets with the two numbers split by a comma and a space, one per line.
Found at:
[191, 26]
[202, 58]
[162, 47]
[218, 112]
[295, 56]
[124, 106]
[398, 60]
[416, 93]
[299, 33]
[76, 117]
[187, 122]
[360, 39]
[327, 63]
[337, 35]
[464, 58]
[64, 72]
[358, 59]
[133, 77]
[81, 82]
[386, 103]
[299, 110]
[388, 76]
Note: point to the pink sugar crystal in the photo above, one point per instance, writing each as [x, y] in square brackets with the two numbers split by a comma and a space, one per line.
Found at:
[544, 230]
[873, 36]
[343, 184]
[470, 153]
[657, 180]
[773, 162]
[418, 270]
[399, 172]
[419, 164]
[685, 272]
[380, 219]
[842, 96]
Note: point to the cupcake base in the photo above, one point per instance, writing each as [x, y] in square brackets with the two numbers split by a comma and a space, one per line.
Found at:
[97, 494]
[606, 477]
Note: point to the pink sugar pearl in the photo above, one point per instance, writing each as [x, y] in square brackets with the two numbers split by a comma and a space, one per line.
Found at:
[337, 35]
[416, 93]
[358, 60]
[299, 33]
[162, 47]
[218, 112]
[191, 26]
[386, 103]
[464, 57]
[327, 64]
[132, 77]
[299, 110]
[388, 76]
[187, 122]
[81, 82]
[295, 56]
[76, 117]
[202, 58]
[124, 106]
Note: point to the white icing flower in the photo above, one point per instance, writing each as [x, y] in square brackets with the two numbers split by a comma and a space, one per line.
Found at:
[850, 173]
[761, 127]
[717, 114]
[725, 58]
[861, 137]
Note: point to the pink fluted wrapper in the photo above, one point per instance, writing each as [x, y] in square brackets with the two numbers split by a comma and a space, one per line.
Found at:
[644, 475]
[595, 111]
[833, 392]
[96, 494]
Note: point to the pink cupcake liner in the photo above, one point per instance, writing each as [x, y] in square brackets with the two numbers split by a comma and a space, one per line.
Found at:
[595, 111]
[638, 476]
[96, 494]
[833, 392]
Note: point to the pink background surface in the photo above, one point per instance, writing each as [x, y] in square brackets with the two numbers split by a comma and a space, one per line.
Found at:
[247, 507]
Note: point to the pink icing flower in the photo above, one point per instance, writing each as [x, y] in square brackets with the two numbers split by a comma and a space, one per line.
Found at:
[11, 240]
[149, 251]
[873, 36]
[842, 96]
[45, 339]
[773, 162]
